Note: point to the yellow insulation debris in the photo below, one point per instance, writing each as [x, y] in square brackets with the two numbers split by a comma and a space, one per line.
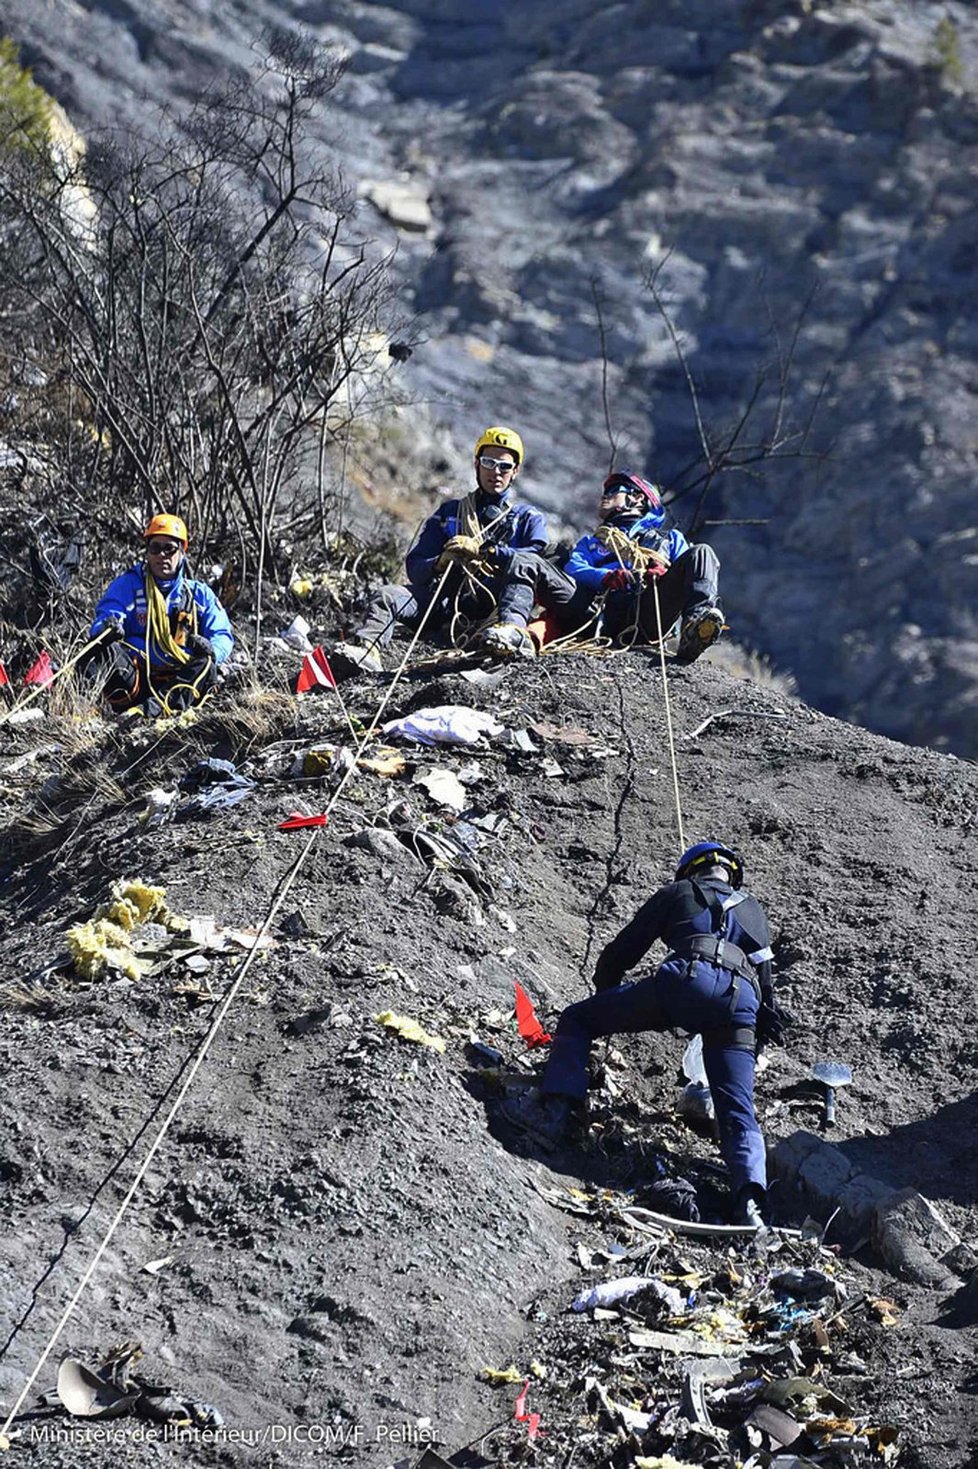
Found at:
[409, 1030]
[104, 942]
[499, 1376]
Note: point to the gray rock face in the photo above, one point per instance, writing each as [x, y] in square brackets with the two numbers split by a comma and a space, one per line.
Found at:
[807, 176]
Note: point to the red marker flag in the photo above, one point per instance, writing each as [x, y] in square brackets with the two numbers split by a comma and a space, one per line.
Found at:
[41, 671]
[520, 1415]
[527, 1023]
[297, 821]
[315, 673]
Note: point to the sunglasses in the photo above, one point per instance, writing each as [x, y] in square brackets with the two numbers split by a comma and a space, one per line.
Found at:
[503, 465]
[162, 548]
[613, 494]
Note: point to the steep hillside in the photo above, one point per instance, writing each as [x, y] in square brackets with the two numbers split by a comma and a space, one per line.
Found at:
[350, 1234]
[802, 174]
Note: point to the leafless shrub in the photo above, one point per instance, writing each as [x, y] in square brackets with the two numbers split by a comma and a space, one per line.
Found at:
[200, 314]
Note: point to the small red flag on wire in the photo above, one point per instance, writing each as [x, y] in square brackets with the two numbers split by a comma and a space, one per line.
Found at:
[527, 1023]
[520, 1415]
[41, 671]
[315, 673]
[297, 821]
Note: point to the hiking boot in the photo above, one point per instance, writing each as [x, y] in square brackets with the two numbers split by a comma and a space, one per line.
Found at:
[544, 1117]
[748, 1206]
[699, 632]
[362, 657]
[507, 640]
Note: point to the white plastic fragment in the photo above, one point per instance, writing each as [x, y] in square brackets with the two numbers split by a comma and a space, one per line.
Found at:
[297, 635]
[446, 724]
[610, 1292]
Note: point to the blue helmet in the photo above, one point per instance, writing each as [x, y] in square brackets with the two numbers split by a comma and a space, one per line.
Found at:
[634, 484]
[711, 854]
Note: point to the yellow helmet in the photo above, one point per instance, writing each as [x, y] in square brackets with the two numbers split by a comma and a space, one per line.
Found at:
[167, 525]
[500, 438]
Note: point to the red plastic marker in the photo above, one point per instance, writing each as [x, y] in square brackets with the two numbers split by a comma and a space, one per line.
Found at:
[41, 671]
[520, 1415]
[527, 1023]
[297, 821]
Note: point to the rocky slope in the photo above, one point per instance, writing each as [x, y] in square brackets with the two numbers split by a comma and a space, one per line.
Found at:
[806, 173]
[349, 1233]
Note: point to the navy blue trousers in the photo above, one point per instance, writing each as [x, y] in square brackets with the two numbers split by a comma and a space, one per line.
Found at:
[692, 997]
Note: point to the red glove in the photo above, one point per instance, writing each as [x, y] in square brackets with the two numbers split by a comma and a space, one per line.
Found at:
[654, 570]
[617, 581]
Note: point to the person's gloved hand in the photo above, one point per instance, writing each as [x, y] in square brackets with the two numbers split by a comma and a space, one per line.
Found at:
[618, 581]
[198, 646]
[113, 628]
[459, 548]
[654, 570]
[771, 1023]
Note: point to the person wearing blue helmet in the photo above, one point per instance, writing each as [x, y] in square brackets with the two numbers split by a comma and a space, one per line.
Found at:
[715, 981]
[645, 572]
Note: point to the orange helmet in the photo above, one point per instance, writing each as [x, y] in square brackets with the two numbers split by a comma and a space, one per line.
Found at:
[167, 525]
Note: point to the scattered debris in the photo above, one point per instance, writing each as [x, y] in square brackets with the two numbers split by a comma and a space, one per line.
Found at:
[105, 941]
[500, 1376]
[734, 714]
[214, 785]
[112, 1390]
[296, 635]
[610, 1292]
[446, 724]
[444, 787]
[410, 1030]
[159, 806]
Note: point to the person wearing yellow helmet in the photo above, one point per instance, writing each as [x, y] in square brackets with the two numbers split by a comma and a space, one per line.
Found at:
[163, 635]
[491, 547]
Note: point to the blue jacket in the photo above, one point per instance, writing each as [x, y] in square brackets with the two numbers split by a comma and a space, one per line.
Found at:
[127, 594]
[590, 560]
[522, 529]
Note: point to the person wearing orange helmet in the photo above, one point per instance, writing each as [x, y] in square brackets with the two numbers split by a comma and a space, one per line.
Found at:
[163, 635]
[492, 547]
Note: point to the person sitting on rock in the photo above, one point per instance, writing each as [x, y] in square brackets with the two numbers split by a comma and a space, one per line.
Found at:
[163, 634]
[715, 982]
[491, 546]
[645, 571]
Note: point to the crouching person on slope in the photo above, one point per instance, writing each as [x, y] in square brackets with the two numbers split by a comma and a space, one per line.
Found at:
[715, 981]
[633, 561]
[164, 635]
[490, 544]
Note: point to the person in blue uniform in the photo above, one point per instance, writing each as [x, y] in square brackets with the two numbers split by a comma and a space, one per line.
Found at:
[715, 981]
[683, 578]
[163, 635]
[492, 546]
